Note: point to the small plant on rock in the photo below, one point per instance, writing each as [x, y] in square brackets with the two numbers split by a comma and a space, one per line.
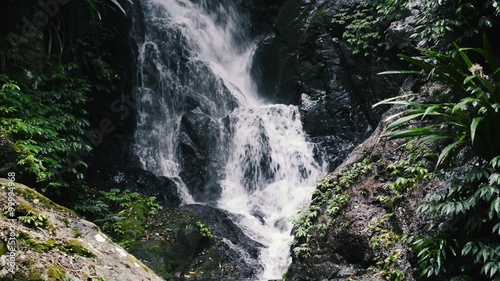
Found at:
[204, 230]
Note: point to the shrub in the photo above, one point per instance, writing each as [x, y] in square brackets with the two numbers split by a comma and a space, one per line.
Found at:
[121, 214]
[52, 128]
[462, 116]
[466, 111]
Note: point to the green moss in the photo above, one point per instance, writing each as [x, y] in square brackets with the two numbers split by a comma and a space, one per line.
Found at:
[77, 233]
[134, 260]
[179, 246]
[75, 247]
[3, 249]
[41, 247]
[55, 273]
[31, 274]
[70, 246]
[22, 208]
[30, 195]
[64, 220]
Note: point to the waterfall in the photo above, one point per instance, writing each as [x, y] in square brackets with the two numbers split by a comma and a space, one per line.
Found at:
[195, 90]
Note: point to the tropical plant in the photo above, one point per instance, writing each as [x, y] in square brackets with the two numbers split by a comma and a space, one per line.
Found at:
[465, 111]
[95, 6]
[121, 214]
[204, 230]
[442, 22]
[45, 124]
[467, 225]
[438, 24]
[364, 27]
[462, 116]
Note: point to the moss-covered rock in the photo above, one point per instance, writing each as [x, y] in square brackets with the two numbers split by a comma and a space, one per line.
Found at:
[362, 240]
[71, 247]
[173, 243]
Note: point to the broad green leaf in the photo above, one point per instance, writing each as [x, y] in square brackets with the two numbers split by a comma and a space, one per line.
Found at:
[403, 120]
[473, 127]
[446, 151]
[417, 132]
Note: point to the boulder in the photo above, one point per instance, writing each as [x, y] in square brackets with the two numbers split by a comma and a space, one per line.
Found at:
[197, 242]
[48, 242]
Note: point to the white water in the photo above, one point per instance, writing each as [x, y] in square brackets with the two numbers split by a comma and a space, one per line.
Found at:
[270, 172]
[266, 195]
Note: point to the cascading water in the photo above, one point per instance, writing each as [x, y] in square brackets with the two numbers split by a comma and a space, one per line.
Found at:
[194, 60]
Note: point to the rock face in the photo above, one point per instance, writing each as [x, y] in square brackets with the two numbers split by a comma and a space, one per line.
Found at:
[113, 165]
[197, 242]
[202, 149]
[52, 243]
[300, 64]
[363, 234]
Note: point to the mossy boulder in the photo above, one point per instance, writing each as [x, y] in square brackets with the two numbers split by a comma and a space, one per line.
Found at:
[197, 242]
[173, 244]
[68, 247]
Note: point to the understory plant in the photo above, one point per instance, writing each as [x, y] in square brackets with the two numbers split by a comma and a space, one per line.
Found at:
[436, 25]
[46, 123]
[121, 214]
[461, 118]
[363, 28]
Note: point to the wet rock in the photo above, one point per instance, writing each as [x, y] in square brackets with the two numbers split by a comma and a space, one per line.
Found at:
[301, 64]
[237, 251]
[197, 242]
[201, 147]
[113, 164]
[262, 14]
[345, 249]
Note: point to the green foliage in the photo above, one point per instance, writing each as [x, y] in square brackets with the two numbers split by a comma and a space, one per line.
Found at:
[405, 175]
[204, 230]
[438, 24]
[466, 111]
[384, 243]
[98, 6]
[52, 128]
[364, 27]
[44, 97]
[471, 209]
[330, 194]
[121, 214]
[462, 115]
[34, 220]
[442, 22]
[75, 247]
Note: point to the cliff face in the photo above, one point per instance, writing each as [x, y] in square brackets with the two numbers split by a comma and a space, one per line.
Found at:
[358, 217]
[44, 241]
[355, 225]
[306, 62]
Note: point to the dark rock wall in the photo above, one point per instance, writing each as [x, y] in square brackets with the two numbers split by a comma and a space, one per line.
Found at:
[300, 64]
[346, 251]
